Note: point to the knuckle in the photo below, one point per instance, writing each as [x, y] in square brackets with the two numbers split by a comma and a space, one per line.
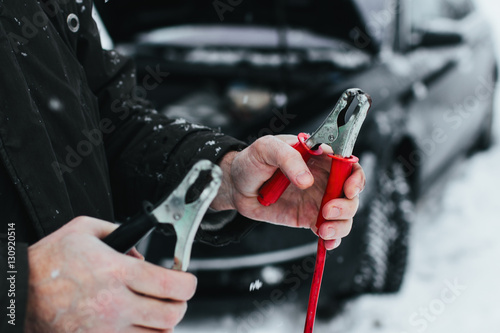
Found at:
[75, 226]
[119, 275]
[263, 142]
[255, 149]
[175, 314]
[347, 227]
[165, 285]
[187, 287]
[193, 285]
[266, 139]
[287, 158]
[348, 207]
[78, 221]
[265, 150]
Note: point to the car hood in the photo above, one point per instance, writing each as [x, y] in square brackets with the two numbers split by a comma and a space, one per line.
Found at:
[354, 21]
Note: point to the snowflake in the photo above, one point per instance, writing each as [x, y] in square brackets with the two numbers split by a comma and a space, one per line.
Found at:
[256, 285]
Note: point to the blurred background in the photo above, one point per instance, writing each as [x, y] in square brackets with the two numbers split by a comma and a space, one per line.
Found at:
[423, 254]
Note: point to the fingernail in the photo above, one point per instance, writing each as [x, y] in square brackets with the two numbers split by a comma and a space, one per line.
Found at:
[303, 178]
[333, 213]
[357, 191]
[329, 233]
[337, 243]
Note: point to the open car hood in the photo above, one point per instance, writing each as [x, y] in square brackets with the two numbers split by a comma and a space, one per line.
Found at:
[345, 20]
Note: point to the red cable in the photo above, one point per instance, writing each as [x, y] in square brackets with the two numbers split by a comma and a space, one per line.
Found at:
[340, 170]
[315, 286]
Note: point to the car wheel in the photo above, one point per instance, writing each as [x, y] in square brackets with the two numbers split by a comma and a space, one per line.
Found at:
[486, 138]
[387, 217]
[372, 259]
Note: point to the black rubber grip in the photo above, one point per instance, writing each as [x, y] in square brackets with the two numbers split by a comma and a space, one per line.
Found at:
[131, 232]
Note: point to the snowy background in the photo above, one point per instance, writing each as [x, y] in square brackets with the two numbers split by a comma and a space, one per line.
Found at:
[453, 274]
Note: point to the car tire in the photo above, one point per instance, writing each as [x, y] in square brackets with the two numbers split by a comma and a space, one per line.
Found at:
[374, 255]
[388, 217]
[486, 138]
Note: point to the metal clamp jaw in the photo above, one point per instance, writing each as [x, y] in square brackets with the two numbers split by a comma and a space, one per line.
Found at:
[184, 217]
[337, 133]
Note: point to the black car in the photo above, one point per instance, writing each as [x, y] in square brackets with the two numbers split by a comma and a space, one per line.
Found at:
[253, 68]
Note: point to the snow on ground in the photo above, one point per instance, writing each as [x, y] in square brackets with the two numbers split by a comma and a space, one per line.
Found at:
[453, 274]
[452, 279]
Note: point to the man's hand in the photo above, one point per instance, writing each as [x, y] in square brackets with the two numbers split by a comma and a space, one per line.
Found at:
[246, 171]
[79, 284]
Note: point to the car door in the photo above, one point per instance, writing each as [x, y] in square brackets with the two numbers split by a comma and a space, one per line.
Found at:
[447, 46]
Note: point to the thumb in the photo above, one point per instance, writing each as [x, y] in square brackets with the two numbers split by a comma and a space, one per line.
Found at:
[97, 228]
[92, 226]
[271, 151]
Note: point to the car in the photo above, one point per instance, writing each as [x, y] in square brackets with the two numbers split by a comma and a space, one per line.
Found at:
[253, 68]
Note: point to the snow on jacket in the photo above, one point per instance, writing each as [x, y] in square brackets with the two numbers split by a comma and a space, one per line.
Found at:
[77, 137]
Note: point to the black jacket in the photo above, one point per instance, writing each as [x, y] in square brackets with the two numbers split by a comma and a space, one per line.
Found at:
[76, 135]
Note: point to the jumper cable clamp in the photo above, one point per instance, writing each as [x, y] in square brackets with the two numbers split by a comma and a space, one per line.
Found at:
[341, 136]
[184, 217]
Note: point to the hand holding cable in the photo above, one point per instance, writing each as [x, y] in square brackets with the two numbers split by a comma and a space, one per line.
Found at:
[341, 136]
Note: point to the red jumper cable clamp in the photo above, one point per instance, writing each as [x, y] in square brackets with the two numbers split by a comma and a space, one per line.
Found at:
[341, 137]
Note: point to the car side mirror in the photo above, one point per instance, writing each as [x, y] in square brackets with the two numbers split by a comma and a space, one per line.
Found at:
[441, 33]
[440, 38]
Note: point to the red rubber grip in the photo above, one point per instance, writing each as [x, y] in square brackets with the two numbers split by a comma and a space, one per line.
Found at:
[340, 170]
[272, 190]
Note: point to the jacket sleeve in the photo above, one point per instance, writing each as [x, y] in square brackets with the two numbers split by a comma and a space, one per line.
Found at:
[13, 283]
[148, 154]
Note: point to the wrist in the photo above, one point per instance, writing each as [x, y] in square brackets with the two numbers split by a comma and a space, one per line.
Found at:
[224, 199]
